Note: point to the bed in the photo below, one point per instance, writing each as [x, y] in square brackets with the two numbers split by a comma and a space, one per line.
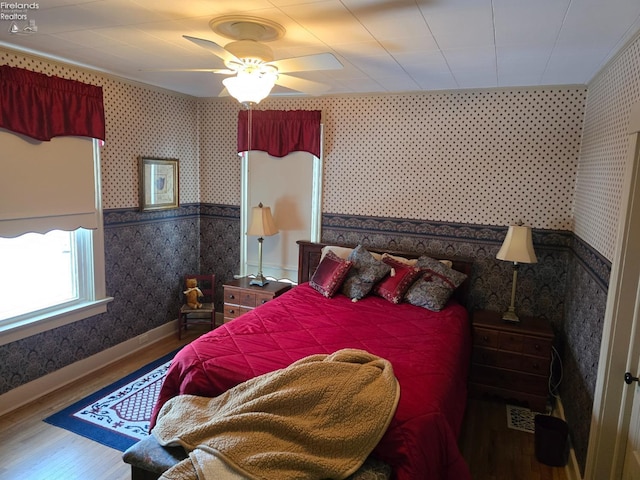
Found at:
[429, 351]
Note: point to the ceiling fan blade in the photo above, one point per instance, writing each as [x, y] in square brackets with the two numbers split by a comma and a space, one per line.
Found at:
[302, 85]
[307, 63]
[214, 48]
[224, 71]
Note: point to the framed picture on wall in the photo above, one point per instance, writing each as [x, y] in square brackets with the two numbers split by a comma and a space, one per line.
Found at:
[159, 181]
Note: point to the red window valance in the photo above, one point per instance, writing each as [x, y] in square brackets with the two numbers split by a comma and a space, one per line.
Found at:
[42, 106]
[280, 132]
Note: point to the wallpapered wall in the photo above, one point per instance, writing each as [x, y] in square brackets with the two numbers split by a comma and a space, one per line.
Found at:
[598, 194]
[489, 157]
[443, 171]
[604, 148]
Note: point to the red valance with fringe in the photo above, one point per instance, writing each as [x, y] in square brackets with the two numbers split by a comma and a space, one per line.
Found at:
[279, 132]
[42, 106]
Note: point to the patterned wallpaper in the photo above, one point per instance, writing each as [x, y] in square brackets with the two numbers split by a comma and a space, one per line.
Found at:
[604, 148]
[483, 157]
[599, 182]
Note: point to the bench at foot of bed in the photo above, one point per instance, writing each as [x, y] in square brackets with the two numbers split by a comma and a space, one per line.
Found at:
[149, 460]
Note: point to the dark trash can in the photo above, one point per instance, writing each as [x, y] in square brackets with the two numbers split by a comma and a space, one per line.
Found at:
[551, 440]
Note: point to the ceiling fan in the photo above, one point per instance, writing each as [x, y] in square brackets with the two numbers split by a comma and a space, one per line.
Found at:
[252, 63]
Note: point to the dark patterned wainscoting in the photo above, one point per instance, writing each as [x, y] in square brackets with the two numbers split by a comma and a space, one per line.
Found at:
[586, 301]
[541, 286]
[220, 244]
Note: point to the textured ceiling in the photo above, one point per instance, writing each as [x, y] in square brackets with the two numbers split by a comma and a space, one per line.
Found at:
[385, 46]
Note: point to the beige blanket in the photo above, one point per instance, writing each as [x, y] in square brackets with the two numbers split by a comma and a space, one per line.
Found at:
[318, 418]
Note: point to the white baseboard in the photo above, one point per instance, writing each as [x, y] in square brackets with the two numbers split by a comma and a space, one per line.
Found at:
[31, 391]
[572, 470]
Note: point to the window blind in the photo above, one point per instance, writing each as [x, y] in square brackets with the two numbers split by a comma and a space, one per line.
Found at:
[46, 185]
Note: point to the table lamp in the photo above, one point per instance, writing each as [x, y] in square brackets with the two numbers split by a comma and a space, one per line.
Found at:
[262, 225]
[517, 248]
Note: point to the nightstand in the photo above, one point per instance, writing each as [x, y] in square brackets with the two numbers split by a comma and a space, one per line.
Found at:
[511, 360]
[240, 297]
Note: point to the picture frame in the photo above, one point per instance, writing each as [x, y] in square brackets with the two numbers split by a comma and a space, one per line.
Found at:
[159, 183]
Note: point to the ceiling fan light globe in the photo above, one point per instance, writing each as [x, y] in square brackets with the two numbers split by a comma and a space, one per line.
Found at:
[250, 88]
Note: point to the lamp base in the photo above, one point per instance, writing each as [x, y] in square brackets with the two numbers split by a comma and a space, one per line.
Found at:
[510, 316]
[259, 280]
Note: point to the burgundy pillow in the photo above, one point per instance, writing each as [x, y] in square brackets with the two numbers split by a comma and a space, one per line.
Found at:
[396, 284]
[330, 274]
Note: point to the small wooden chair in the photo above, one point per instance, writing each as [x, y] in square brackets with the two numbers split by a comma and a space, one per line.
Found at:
[204, 315]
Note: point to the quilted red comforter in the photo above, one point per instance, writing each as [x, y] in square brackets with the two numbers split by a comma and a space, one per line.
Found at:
[429, 352]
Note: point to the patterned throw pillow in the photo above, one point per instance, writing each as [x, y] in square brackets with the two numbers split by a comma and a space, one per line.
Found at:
[364, 274]
[396, 284]
[330, 274]
[434, 288]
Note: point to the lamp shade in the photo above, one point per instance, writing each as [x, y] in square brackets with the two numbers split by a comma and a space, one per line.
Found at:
[250, 87]
[518, 246]
[262, 224]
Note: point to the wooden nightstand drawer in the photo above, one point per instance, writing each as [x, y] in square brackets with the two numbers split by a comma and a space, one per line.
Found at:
[537, 365]
[262, 298]
[510, 341]
[509, 360]
[484, 356]
[231, 295]
[485, 337]
[536, 346]
[248, 299]
[231, 311]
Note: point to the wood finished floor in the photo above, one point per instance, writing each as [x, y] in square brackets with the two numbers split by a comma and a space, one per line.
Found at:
[33, 450]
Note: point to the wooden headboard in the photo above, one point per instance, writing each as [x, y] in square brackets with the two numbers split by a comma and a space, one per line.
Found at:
[309, 257]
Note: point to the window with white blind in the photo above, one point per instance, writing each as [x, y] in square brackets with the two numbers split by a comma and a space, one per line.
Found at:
[51, 236]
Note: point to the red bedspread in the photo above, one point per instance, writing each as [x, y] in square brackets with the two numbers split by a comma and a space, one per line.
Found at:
[429, 352]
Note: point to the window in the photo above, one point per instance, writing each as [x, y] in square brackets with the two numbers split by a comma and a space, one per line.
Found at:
[48, 271]
[55, 276]
[294, 193]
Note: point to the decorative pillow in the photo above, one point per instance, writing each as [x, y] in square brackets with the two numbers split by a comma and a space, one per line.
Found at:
[364, 274]
[342, 252]
[447, 263]
[406, 261]
[435, 286]
[330, 274]
[396, 284]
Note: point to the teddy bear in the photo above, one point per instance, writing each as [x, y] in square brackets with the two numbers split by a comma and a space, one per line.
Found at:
[192, 293]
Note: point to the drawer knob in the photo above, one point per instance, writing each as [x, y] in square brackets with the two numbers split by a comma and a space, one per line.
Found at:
[232, 310]
[537, 346]
[629, 379]
[485, 338]
[264, 300]
[231, 296]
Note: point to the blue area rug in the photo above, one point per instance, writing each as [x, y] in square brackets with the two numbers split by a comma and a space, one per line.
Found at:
[118, 415]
